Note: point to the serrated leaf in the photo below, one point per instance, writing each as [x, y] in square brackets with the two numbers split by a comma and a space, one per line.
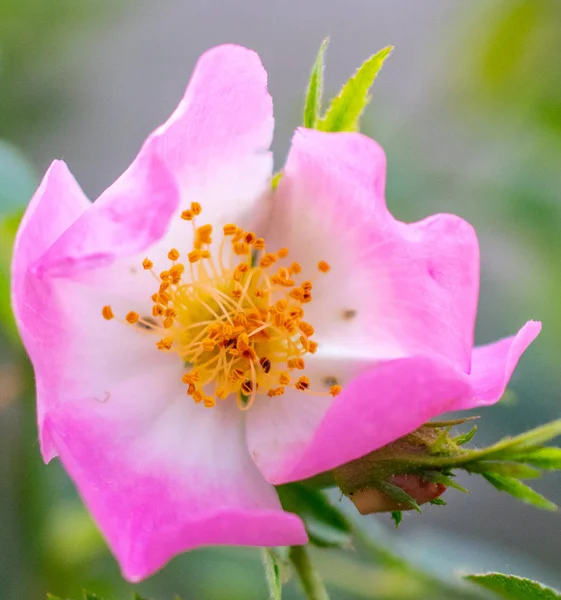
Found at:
[510, 587]
[272, 573]
[397, 517]
[509, 469]
[346, 108]
[397, 494]
[312, 106]
[519, 490]
[464, 438]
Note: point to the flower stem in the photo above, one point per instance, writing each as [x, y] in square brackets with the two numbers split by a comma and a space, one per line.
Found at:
[309, 577]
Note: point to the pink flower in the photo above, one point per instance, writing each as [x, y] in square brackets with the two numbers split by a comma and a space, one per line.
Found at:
[184, 364]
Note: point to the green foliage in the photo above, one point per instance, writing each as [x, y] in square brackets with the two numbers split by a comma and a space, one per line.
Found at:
[312, 105]
[272, 573]
[346, 108]
[8, 228]
[510, 587]
[326, 526]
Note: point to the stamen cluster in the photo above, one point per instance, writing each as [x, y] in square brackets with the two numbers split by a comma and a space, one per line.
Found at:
[239, 328]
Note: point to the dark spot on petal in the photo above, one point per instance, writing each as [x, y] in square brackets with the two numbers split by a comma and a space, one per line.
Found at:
[349, 314]
[330, 381]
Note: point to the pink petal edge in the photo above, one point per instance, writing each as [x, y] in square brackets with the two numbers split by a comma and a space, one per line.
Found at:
[153, 495]
[55, 206]
[388, 401]
[412, 286]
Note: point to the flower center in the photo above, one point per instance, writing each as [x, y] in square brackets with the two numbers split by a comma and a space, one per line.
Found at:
[239, 328]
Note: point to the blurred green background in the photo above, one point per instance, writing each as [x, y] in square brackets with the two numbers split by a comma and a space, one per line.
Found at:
[468, 109]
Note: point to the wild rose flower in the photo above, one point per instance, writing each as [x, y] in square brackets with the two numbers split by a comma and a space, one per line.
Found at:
[196, 338]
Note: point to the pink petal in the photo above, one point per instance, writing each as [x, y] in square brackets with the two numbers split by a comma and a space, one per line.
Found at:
[128, 217]
[162, 475]
[57, 204]
[217, 141]
[493, 364]
[376, 408]
[411, 288]
[296, 437]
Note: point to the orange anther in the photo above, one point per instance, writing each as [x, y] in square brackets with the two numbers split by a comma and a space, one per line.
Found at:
[196, 208]
[132, 317]
[295, 268]
[173, 254]
[323, 266]
[259, 244]
[282, 253]
[284, 378]
[194, 256]
[302, 383]
[296, 363]
[208, 344]
[164, 343]
[335, 390]
[168, 322]
[187, 215]
[250, 238]
[107, 313]
[306, 328]
[230, 229]
[147, 264]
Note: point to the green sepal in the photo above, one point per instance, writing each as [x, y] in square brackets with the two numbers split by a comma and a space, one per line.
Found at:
[464, 438]
[519, 490]
[397, 517]
[346, 108]
[312, 106]
[438, 502]
[396, 493]
[510, 587]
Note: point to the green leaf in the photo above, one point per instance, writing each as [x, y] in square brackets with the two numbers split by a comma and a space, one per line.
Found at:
[8, 228]
[314, 94]
[510, 587]
[272, 573]
[397, 517]
[464, 438]
[90, 596]
[519, 490]
[312, 504]
[346, 108]
[326, 526]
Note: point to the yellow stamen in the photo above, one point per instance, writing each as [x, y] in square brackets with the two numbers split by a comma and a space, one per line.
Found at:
[238, 323]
